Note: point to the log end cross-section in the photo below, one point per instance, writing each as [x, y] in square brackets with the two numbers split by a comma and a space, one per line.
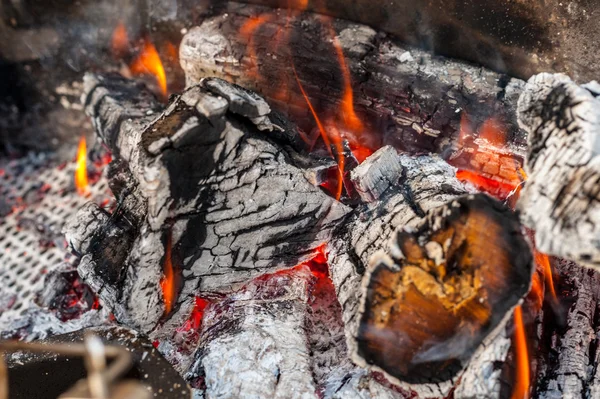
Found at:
[444, 289]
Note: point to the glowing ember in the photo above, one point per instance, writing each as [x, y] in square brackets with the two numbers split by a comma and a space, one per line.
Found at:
[491, 186]
[167, 283]
[490, 169]
[148, 63]
[194, 322]
[522, 378]
[120, 41]
[81, 176]
[360, 153]
[316, 263]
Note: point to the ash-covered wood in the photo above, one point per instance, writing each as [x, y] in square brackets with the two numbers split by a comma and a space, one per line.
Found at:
[203, 175]
[561, 200]
[280, 336]
[447, 286]
[406, 97]
[254, 344]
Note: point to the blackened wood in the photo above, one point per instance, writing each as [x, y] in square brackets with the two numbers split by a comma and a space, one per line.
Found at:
[570, 369]
[522, 38]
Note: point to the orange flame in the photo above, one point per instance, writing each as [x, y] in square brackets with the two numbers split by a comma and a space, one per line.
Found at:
[324, 134]
[81, 176]
[148, 62]
[351, 120]
[494, 132]
[298, 4]
[522, 378]
[536, 294]
[167, 283]
[544, 261]
[120, 41]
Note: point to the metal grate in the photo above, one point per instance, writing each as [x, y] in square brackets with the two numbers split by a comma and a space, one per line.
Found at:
[37, 197]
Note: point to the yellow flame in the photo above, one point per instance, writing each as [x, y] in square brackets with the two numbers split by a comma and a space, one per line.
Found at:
[81, 177]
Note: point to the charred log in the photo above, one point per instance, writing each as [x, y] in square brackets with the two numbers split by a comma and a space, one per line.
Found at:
[202, 182]
[260, 49]
[569, 369]
[421, 197]
[561, 200]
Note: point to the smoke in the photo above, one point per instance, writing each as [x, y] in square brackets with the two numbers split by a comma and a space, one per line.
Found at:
[457, 347]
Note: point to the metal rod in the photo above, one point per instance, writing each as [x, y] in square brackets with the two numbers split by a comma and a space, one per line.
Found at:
[121, 364]
[95, 363]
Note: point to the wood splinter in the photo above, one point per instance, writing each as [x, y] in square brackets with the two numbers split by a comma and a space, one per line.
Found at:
[445, 289]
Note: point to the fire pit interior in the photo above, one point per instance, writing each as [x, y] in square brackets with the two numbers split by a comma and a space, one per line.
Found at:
[299, 199]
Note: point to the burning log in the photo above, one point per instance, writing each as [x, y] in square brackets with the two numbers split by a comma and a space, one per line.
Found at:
[347, 71]
[202, 181]
[561, 200]
[433, 303]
